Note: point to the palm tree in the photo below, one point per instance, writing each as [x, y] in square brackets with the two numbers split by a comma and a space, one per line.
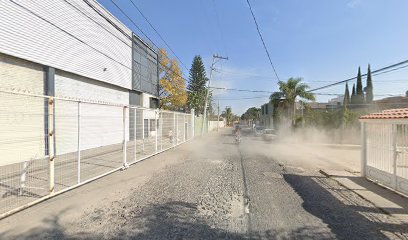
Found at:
[288, 91]
[228, 115]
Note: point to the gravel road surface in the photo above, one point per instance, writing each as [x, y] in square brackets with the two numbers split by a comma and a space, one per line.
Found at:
[210, 188]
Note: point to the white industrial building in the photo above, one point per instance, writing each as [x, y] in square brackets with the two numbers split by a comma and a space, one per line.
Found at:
[78, 50]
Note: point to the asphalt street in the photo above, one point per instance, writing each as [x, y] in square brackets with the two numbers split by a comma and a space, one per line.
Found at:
[209, 188]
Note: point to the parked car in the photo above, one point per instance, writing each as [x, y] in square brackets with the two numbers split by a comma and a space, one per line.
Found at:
[259, 130]
[269, 135]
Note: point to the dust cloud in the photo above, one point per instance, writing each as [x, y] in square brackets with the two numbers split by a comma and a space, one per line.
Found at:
[309, 148]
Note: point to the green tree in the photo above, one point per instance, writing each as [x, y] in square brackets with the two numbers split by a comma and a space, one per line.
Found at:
[172, 88]
[229, 116]
[353, 95]
[346, 100]
[369, 88]
[359, 89]
[288, 91]
[197, 86]
[252, 114]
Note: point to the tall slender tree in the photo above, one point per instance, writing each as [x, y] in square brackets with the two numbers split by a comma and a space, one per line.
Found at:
[359, 89]
[353, 95]
[197, 86]
[346, 100]
[369, 88]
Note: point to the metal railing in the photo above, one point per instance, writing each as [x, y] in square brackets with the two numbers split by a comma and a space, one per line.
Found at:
[49, 145]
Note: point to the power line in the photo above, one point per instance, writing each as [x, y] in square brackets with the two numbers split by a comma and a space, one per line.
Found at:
[262, 91]
[342, 94]
[117, 28]
[69, 34]
[263, 42]
[133, 22]
[83, 42]
[157, 32]
[219, 26]
[243, 98]
[240, 90]
[387, 69]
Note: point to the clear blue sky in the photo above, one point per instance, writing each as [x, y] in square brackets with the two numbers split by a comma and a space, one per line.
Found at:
[319, 40]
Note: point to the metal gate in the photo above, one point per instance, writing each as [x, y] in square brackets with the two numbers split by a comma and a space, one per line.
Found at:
[385, 153]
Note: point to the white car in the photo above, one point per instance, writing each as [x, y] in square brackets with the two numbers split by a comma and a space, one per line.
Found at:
[269, 135]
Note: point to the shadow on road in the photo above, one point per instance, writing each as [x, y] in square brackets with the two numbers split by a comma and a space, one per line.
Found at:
[385, 193]
[172, 220]
[345, 221]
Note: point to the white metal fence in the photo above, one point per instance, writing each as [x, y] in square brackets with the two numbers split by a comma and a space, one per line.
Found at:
[50, 145]
[215, 125]
[385, 153]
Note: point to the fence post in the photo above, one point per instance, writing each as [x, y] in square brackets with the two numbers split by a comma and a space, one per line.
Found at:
[161, 130]
[135, 133]
[156, 129]
[143, 130]
[174, 129]
[184, 126]
[125, 165]
[51, 150]
[363, 149]
[79, 144]
[177, 128]
[192, 123]
[23, 178]
[394, 154]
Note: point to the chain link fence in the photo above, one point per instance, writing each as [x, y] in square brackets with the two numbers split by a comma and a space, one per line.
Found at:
[50, 145]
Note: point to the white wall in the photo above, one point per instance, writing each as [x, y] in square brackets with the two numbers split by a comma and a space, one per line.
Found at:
[101, 125]
[72, 38]
[21, 117]
[212, 125]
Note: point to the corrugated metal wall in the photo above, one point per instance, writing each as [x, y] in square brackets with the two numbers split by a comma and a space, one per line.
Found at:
[145, 75]
[100, 125]
[25, 140]
[68, 35]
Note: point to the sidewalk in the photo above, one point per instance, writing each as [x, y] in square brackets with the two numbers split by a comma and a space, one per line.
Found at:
[383, 198]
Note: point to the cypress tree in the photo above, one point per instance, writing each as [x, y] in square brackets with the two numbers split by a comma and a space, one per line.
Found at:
[346, 100]
[359, 90]
[197, 86]
[369, 88]
[353, 95]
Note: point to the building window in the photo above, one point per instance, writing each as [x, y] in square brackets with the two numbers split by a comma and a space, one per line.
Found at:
[145, 68]
[153, 103]
[266, 109]
[135, 98]
[152, 125]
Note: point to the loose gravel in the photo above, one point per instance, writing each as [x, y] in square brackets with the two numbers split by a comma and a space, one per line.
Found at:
[220, 190]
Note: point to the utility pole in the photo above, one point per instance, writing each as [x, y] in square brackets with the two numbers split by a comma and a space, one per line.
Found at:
[218, 118]
[215, 58]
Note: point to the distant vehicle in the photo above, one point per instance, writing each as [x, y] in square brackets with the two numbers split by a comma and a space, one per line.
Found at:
[259, 130]
[269, 135]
